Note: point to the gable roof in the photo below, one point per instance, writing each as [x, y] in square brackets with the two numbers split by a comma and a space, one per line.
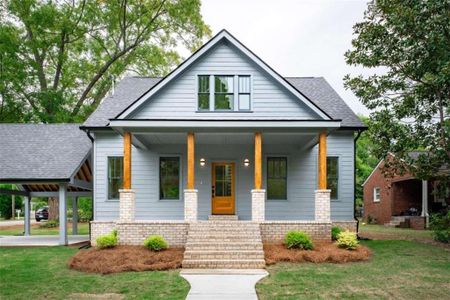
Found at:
[222, 35]
[316, 89]
[39, 152]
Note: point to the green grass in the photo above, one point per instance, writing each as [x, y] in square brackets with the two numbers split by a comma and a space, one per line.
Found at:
[41, 273]
[83, 229]
[397, 270]
[405, 232]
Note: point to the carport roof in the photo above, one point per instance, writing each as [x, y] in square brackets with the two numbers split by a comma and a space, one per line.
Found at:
[42, 152]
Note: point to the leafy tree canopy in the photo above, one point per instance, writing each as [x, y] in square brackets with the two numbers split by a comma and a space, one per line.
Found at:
[58, 59]
[410, 41]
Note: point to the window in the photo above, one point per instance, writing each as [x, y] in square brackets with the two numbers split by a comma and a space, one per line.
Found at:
[276, 178]
[376, 194]
[333, 176]
[169, 178]
[115, 176]
[244, 92]
[223, 92]
[203, 92]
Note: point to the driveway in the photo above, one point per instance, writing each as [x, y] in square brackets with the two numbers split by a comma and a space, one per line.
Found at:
[39, 240]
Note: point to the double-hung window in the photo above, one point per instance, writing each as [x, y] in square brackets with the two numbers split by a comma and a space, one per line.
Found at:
[333, 176]
[244, 92]
[169, 178]
[223, 92]
[276, 178]
[376, 194]
[115, 176]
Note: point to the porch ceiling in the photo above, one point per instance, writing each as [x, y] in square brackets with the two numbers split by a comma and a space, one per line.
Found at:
[243, 138]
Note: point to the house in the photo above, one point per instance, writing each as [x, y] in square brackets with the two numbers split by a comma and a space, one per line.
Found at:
[402, 200]
[223, 138]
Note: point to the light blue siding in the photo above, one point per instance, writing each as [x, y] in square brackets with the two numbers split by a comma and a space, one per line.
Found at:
[302, 179]
[179, 98]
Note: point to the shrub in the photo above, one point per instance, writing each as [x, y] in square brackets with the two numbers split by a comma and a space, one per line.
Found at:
[298, 240]
[440, 224]
[335, 232]
[156, 243]
[347, 240]
[49, 224]
[107, 240]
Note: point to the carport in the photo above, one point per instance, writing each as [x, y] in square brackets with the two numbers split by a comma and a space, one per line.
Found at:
[46, 160]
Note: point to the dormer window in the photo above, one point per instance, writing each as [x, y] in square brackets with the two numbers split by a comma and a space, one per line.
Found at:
[224, 93]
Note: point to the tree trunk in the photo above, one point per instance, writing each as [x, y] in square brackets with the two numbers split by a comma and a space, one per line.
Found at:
[53, 208]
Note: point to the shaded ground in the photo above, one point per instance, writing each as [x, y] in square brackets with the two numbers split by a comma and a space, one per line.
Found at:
[381, 232]
[397, 270]
[42, 273]
[83, 229]
[323, 252]
[125, 258]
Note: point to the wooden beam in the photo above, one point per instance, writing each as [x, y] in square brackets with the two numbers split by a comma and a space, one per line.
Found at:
[191, 161]
[322, 161]
[127, 160]
[81, 184]
[14, 192]
[258, 162]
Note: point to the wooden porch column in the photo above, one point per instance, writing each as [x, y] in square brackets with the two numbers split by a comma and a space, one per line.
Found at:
[258, 164]
[191, 160]
[127, 160]
[323, 160]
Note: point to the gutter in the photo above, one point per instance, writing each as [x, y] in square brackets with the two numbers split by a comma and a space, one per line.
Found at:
[354, 179]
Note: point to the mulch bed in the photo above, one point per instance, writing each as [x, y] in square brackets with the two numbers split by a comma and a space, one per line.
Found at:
[125, 258]
[323, 252]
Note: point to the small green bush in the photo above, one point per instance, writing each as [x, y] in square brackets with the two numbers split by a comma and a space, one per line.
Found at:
[335, 232]
[298, 240]
[156, 243]
[49, 224]
[440, 225]
[347, 240]
[107, 240]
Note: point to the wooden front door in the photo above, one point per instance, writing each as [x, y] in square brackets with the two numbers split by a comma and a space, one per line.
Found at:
[223, 189]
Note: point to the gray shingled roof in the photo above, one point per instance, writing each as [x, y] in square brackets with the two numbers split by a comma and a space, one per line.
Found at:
[316, 89]
[41, 151]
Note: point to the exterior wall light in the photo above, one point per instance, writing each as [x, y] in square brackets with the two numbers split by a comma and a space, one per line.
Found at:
[202, 162]
[246, 162]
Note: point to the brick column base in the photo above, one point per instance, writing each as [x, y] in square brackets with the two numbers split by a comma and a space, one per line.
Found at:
[190, 205]
[127, 205]
[258, 205]
[322, 206]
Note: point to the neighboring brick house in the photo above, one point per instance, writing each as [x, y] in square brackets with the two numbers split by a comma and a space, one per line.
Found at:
[402, 200]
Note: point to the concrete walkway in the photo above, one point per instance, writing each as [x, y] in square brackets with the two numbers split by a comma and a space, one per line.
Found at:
[229, 284]
[38, 240]
[7, 223]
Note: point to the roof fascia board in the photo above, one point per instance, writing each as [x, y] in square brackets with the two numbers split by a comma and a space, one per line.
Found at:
[194, 57]
[56, 194]
[222, 124]
[14, 192]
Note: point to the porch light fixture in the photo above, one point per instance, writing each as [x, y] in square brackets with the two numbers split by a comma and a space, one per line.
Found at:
[202, 162]
[246, 162]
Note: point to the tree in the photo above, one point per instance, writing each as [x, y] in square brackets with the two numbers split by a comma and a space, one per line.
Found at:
[409, 42]
[58, 59]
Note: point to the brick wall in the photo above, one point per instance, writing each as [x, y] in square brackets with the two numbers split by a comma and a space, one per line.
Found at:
[99, 228]
[258, 205]
[275, 231]
[417, 223]
[345, 225]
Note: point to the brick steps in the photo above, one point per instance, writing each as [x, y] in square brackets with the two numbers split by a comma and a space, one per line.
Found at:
[222, 218]
[224, 244]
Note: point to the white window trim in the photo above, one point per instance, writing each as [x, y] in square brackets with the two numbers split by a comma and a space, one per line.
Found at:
[235, 103]
[375, 199]
[180, 178]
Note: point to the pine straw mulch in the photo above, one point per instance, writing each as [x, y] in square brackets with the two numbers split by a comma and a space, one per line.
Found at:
[323, 252]
[125, 258]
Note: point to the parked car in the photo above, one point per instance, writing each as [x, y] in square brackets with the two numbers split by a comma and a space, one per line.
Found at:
[42, 214]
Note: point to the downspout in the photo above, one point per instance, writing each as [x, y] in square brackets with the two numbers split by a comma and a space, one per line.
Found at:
[354, 181]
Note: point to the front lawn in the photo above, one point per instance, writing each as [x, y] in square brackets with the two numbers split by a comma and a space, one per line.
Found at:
[83, 229]
[42, 273]
[398, 270]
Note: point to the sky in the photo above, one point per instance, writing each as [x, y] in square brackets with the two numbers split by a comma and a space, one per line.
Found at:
[295, 37]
